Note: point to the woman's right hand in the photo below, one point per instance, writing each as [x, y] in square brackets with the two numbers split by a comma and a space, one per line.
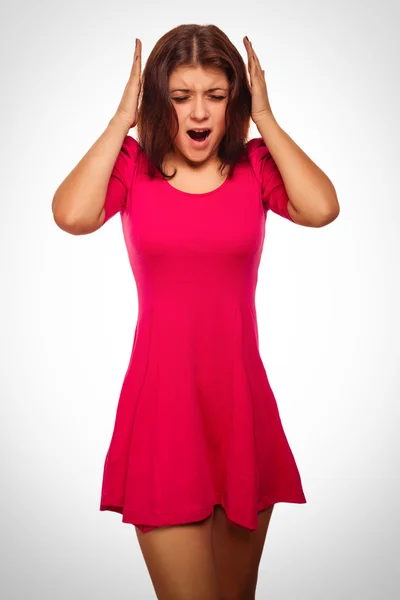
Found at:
[128, 107]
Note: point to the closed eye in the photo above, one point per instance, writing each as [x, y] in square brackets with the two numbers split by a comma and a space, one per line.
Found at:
[185, 97]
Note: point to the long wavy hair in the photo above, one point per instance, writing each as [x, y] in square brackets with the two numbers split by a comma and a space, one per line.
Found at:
[191, 46]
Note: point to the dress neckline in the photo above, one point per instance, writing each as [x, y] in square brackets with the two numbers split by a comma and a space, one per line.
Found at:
[200, 194]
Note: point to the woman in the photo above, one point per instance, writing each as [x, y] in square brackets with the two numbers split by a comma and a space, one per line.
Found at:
[198, 455]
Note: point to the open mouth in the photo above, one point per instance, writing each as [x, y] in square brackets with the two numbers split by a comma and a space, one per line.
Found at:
[199, 136]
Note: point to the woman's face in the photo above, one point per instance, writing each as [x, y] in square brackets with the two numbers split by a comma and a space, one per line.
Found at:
[200, 97]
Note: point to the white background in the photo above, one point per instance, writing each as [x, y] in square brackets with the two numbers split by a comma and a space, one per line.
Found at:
[326, 298]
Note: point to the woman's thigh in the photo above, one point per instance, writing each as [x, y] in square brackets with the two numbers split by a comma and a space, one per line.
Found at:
[180, 561]
[237, 554]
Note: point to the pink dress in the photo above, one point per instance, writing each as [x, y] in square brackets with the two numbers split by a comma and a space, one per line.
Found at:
[197, 423]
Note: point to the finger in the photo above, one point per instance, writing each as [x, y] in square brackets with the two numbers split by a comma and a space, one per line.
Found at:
[251, 62]
[137, 57]
[253, 68]
[134, 62]
[259, 67]
[256, 62]
[249, 51]
[255, 58]
[138, 53]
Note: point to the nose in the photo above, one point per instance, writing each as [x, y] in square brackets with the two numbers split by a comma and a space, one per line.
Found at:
[199, 108]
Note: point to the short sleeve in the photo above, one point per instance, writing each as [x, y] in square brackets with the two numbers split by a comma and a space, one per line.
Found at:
[273, 191]
[121, 177]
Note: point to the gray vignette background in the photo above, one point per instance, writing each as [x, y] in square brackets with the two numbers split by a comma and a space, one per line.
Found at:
[327, 298]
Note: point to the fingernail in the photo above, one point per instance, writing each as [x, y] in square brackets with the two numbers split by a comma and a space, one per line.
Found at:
[247, 38]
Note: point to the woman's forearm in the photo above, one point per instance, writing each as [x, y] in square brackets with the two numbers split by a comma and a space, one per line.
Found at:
[310, 191]
[78, 201]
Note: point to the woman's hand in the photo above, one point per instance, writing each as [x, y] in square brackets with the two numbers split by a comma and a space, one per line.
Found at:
[128, 107]
[260, 105]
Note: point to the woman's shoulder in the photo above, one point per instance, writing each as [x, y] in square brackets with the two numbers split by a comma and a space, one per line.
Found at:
[256, 147]
[131, 147]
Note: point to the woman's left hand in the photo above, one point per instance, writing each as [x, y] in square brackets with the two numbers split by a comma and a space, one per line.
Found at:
[260, 105]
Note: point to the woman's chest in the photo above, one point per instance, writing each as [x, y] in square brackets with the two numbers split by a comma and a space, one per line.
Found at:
[160, 219]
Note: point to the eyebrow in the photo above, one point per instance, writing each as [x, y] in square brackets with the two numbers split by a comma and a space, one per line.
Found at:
[187, 90]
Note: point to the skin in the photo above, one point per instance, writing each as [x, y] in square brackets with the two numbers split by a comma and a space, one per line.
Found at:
[209, 560]
[237, 554]
[197, 108]
[180, 561]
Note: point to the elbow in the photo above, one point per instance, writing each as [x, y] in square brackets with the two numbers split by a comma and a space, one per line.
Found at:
[331, 212]
[328, 213]
[69, 223]
[65, 221]
[62, 218]
[319, 210]
[65, 224]
[76, 227]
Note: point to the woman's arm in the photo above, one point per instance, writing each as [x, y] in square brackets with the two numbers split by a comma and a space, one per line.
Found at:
[312, 196]
[78, 202]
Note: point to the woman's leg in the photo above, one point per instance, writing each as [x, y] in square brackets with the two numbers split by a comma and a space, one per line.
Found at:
[180, 562]
[237, 553]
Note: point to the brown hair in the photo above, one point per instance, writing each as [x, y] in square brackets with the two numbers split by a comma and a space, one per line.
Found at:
[191, 46]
